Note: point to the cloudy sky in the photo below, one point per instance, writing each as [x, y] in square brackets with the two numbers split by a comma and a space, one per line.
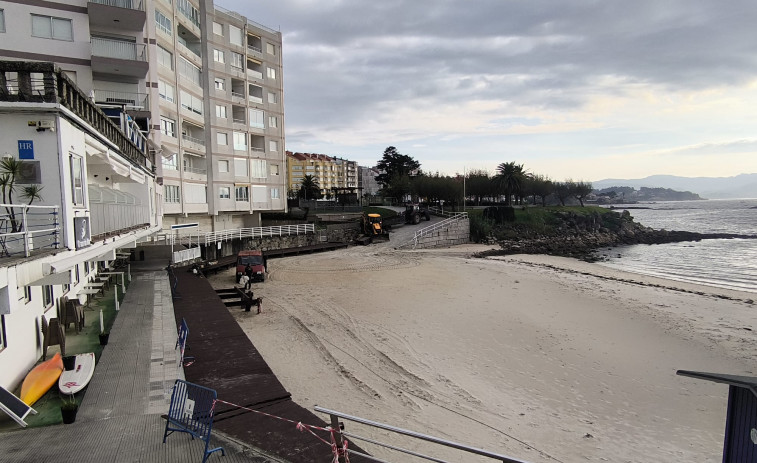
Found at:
[575, 89]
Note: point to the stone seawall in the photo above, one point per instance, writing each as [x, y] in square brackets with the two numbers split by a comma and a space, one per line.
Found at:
[457, 232]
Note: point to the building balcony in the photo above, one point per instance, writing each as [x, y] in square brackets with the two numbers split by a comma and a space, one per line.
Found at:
[127, 15]
[118, 57]
[254, 74]
[196, 170]
[253, 50]
[126, 99]
[54, 87]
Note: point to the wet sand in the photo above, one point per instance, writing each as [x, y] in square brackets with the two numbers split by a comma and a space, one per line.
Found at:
[541, 358]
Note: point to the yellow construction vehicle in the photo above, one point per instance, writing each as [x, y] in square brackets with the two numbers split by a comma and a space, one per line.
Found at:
[373, 229]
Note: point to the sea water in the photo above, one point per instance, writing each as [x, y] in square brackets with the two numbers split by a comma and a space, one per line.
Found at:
[725, 263]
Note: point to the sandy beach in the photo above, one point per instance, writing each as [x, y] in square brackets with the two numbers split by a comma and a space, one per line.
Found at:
[541, 358]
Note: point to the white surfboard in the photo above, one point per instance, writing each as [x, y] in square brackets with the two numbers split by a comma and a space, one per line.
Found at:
[73, 381]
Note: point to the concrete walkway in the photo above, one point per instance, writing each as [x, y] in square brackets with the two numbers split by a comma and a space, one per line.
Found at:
[119, 418]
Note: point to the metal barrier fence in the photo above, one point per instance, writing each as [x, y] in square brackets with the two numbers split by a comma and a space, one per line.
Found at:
[335, 416]
[240, 233]
[24, 228]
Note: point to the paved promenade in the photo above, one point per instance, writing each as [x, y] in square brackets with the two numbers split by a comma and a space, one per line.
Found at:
[119, 418]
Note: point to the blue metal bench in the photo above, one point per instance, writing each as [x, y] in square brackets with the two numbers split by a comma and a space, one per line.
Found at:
[191, 411]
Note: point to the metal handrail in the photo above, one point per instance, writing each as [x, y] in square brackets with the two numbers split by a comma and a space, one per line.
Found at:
[453, 217]
[193, 140]
[240, 233]
[254, 49]
[26, 233]
[134, 99]
[436, 440]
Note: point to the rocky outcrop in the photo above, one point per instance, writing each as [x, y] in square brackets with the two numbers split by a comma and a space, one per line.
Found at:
[581, 236]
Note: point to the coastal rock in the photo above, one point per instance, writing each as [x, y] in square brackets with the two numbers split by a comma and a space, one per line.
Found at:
[581, 236]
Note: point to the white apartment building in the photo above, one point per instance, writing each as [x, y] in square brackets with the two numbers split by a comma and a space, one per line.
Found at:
[201, 86]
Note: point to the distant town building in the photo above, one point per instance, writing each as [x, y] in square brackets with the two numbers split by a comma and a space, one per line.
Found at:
[330, 173]
[368, 183]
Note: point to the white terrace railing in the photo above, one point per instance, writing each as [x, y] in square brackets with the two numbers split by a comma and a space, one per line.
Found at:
[37, 227]
[208, 238]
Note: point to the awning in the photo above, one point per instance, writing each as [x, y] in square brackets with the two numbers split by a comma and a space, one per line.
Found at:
[63, 278]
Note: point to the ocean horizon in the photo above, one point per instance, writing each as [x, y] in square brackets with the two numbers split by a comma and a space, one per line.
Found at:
[721, 263]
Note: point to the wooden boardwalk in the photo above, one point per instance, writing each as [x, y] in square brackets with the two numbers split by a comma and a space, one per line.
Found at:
[227, 361]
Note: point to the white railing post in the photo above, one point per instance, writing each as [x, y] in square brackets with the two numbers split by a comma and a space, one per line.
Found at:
[27, 243]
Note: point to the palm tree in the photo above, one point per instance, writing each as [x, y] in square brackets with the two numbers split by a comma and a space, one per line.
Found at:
[510, 177]
[10, 170]
[309, 187]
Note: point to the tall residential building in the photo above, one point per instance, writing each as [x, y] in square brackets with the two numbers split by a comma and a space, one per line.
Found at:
[200, 85]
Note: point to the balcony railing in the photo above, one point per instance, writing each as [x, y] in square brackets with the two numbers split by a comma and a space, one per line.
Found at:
[129, 4]
[118, 49]
[255, 148]
[254, 49]
[197, 141]
[135, 100]
[55, 87]
[237, 94]
[254, 74]
[24, 228]
[255, 99]
[236, 68]
[195, 170]
[239, 121]
[163, 29]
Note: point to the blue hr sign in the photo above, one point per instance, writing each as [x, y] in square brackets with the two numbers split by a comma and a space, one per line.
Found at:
[25, 149]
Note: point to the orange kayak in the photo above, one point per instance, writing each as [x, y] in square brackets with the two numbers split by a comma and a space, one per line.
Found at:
[41, 379]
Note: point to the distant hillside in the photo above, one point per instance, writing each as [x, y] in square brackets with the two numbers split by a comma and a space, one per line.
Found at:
[740, 186]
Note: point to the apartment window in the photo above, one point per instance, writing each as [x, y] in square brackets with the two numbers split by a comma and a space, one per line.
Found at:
[27, 294]
[2, 29]
[76, 274]
[166, 91]
[270, 48]
[224, 192]
[86, 267]
[217, 28]
[167, 126]
[172, 194]
[221, 111]
[272, 98]
[195, 194]
[235, 35]
[77, 179]
[218, 56]
[220, 83]
[47, 296]
[272, 121]
[222, 138]
[259, 168]
[259, 194]
[274, 169]
[242, 193]
[223, 166]
[191, 102]
[170, 162]
[48, 27]
[165, 58]
[273, 145]
[257, 118]
[240, 167]
[275, 193]
[162, 23]
[236, 60]
[190, 71]
[296, 167]
[240, 141]
[271, 72]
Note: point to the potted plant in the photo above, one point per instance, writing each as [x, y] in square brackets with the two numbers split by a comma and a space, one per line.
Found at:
[68, 409]
[104, 335]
